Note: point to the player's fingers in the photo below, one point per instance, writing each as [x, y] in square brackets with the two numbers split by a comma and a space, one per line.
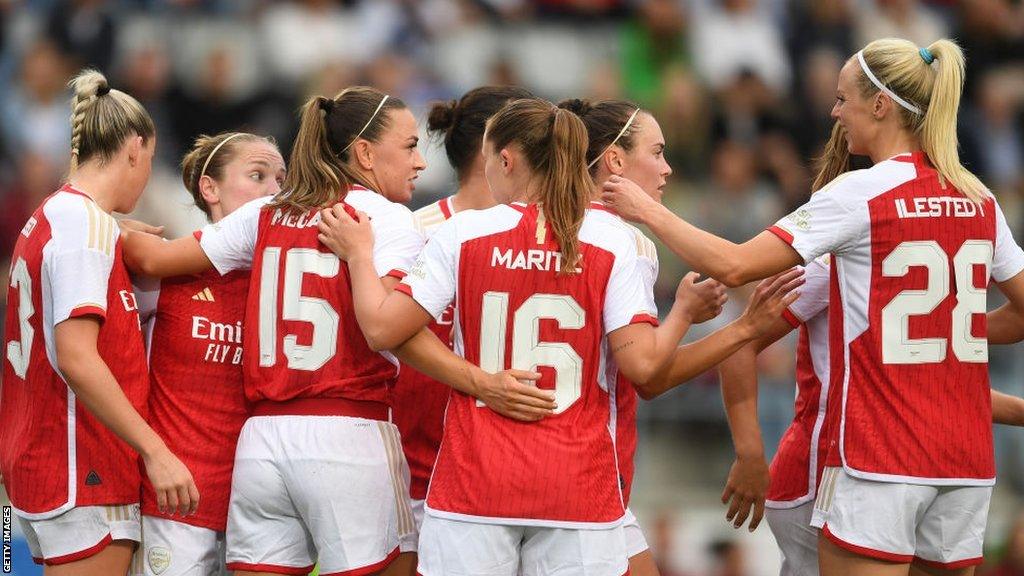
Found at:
[727, 493]
[161, 501]
[755, 520]
[172, 500]
[327, 219]
[529, 390]
[363, 217]
[743, 513]
[789, 299]
[524, 374]
[734, 507]
[691, 277]
[193, 493]
[544, 405]
[184, 500]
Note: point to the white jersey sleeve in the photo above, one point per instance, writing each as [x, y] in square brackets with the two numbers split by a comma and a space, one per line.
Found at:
[431, 280]
[831, 221]
[627, 298]
[79, 257]
[647, 263]
[1008, 259]
[231, 243]
[814, 294]
[396, 240]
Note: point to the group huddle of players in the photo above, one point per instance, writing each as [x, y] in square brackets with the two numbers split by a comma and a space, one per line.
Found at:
[322, 377]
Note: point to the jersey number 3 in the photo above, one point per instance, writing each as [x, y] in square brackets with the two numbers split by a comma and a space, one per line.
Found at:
[528, 352]
[897, 346]
[18, 351]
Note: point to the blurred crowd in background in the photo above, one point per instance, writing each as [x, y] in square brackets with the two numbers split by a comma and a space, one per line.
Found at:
[742, 89]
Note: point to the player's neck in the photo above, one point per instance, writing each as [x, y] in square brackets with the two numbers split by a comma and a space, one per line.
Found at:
[100, 185]
[889, 145]
[473, 194]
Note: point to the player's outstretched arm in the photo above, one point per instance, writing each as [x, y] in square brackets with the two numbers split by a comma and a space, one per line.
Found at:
[747, 483]
[155, 257]
[730, 263]
[763, 312]
[504, 392]
[95, 386]
[1006, 324]
[1007, 409]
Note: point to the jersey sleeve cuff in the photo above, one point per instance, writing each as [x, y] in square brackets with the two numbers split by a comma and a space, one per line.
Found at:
[784, 235]
[644, 318]
[790, 317]
[404, 288]
[397, 274]
[88, 310]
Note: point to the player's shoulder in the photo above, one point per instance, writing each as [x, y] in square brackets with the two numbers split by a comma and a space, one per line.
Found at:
[380, 208]
[76, 220]
[645, 247]
[867, 183]
[429, 217]
[471, 224]
[603, 228]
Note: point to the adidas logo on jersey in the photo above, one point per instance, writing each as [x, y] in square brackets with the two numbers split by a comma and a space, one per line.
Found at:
[204, 295]
[93, 479]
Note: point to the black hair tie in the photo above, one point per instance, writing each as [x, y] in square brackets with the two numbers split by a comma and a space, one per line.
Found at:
[102, 90]
[327, 105]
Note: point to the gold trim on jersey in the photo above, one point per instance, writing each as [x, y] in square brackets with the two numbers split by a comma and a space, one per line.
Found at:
[101, 228]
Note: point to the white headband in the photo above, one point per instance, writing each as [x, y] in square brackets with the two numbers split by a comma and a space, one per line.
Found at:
[212, 154]
[882, 87]
[609, 147]
[367, 125]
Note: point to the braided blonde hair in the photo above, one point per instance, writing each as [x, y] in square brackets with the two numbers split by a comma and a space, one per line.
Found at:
[102, 118]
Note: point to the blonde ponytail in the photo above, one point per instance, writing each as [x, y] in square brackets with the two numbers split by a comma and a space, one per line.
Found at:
[834, 159]
[930, 79]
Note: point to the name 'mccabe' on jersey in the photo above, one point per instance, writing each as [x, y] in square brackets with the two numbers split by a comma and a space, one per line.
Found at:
[513, 309]
[911, 266]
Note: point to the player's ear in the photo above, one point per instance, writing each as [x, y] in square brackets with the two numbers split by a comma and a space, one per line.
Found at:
[208, 188]
[134, 145]
[614, 160]
[507, 160]
[363, 152]
[881, 106]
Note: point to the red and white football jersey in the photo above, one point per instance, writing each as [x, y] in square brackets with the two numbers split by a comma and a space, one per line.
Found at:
[626, 397]
[911, 266]
[196, 398]
[417, 401]
[54, 454]
[513, 309]
[797, 464]
[302, 339]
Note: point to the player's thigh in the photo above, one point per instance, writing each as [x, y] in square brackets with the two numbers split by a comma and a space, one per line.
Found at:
[569, 552]
[171, 548]
[643, 564]
[113, 559]
[796, 538]
[918, 569]
[836, 561]
[403, 565]
[351, 490]
[457, 548]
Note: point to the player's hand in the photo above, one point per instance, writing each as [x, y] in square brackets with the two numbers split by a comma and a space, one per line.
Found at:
[513, 394]
[771, 297]
[129, 225]
[627, 199]
[745, 489]
[347, 237]
[702, 300]
[176, 492]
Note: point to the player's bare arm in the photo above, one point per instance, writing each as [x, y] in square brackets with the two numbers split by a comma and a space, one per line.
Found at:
[765, 307]
[95, 386]
[1007, 409]
[393, 321]
[1006, 323]
[155, 257]
[730, 263]
[747, 483]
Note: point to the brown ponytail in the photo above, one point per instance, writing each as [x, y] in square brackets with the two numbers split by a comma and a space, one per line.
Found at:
[554, 142]
[319, 169]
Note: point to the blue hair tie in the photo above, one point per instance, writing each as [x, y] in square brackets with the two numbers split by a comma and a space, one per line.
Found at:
[926, 55]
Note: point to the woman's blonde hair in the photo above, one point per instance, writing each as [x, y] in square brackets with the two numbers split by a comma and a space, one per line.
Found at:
[834, 159]
[209, 156]
[930, 79]
[554, 142]
[103, 118]
[319, 170]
